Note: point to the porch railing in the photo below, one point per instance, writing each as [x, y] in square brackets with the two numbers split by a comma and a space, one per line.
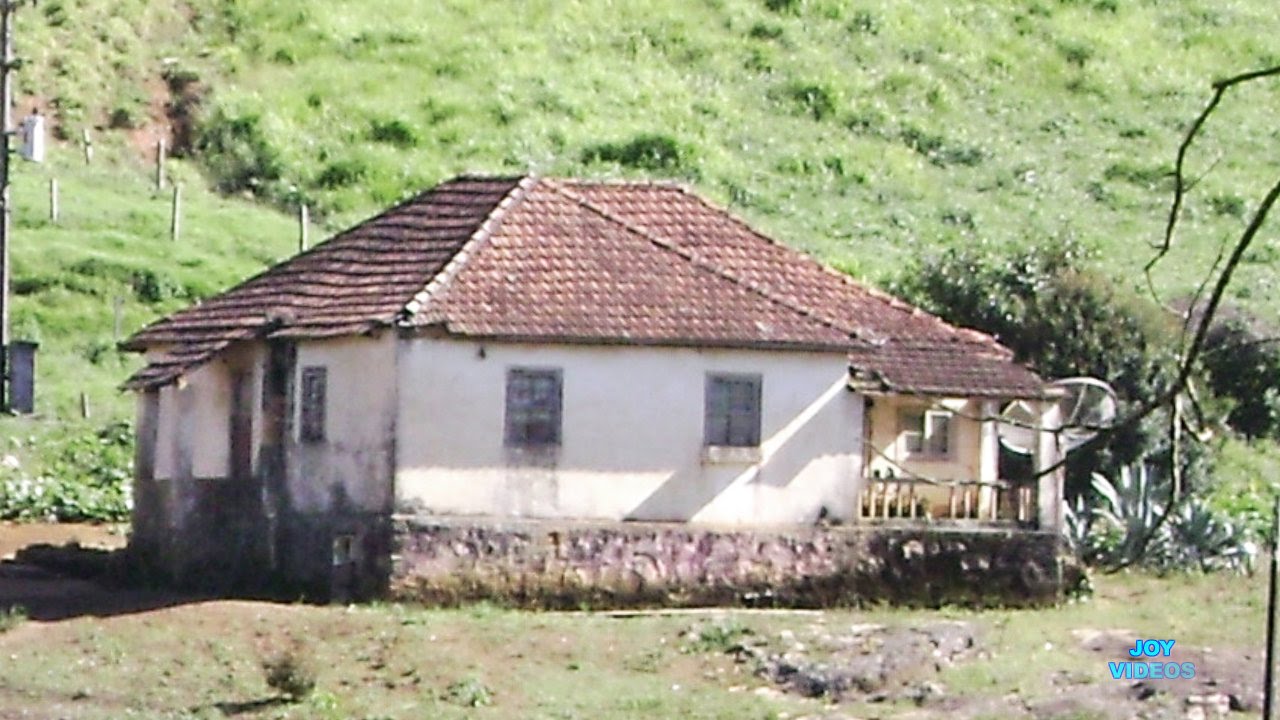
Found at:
[911, 499]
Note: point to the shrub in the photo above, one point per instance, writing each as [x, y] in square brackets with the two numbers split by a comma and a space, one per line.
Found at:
[86, 478]
[342, 173]
[291, 673]
[1243, 365]
[816, 100]
[1064, 320]
[237, 153]
[642, 152]
[393, 132]
[469, 692]
[11, 617]
[716, 637]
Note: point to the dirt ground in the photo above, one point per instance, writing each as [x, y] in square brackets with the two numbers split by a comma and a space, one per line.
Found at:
[44, 595]
[15, 536]
[83, 641]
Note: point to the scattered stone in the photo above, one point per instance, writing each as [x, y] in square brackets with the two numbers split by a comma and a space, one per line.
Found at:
[875, 662]
[927, 692]
[1212, 705]
[1142, 690]
[1243, 703]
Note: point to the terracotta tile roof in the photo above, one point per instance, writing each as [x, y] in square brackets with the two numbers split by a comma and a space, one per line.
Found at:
[574, 261]
[356, 281]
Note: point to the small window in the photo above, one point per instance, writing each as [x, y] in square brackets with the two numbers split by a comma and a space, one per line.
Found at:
[732, 411]
[533, 408]
[314, 381]
[925, 432]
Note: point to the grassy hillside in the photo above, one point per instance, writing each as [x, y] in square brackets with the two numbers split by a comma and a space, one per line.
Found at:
[866, 132]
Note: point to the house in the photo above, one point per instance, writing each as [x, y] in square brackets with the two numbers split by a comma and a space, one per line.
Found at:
[531, 347]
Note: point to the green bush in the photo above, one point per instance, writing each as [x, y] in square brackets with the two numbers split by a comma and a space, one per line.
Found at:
[237, 153]
[291, 673]
[342, 173]
[86, 477]
[1243, 365]
[1065, 320]
[643, 152]
[393, 132]
[469, 692]
[816, 100]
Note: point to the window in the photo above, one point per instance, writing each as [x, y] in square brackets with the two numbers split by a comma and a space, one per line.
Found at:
[925, 432]
[314, 380]
[733, 410]
[533, 408]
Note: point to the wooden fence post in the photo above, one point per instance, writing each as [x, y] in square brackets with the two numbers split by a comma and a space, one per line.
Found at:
[53, 200]
[175, 222]
[304, 220]
[88, 146]
[160, 154]
[117, 306]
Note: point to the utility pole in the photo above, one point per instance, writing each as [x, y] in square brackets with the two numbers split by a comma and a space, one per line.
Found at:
[8, 64]
[7, 67]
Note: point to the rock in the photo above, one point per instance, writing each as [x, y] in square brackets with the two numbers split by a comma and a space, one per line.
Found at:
[1242, 703]
[1142, 690]
[1215, 704]
[767, 692]
[926, 692]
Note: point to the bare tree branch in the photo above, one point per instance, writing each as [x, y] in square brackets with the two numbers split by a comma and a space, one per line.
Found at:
[1180, 185]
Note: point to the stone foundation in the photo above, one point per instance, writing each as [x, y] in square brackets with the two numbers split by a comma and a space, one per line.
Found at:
[561, 564]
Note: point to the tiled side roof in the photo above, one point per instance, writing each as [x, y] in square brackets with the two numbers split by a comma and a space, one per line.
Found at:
[559, 268]
[356, 281]
[570, 261]
[907, 349]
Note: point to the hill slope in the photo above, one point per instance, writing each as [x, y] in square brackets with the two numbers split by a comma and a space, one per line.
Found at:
[867, 134]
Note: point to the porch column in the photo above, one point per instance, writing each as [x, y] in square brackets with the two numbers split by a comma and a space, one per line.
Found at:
[1049, 495]
[988, 459]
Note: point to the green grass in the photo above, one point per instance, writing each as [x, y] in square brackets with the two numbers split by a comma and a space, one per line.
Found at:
[397, 661]
[111, 247]
[867, 134]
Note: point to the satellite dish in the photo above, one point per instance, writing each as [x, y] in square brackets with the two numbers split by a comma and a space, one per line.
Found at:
[1087, 405]
[1018, 427]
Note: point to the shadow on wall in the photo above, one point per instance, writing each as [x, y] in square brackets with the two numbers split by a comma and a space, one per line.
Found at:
[683, 495]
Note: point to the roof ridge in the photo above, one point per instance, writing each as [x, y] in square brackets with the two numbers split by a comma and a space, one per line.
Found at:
[695, 261]
[483, 232]
[885, 298]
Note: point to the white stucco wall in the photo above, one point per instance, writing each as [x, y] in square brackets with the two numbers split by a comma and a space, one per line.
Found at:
[193, 437]
[632, 435]
[354, 463]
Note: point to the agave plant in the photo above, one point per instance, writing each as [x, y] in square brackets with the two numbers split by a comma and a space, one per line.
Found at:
[1121, 525]
[1200, 538]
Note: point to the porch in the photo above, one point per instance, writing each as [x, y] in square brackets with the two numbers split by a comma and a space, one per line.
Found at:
[998, 502]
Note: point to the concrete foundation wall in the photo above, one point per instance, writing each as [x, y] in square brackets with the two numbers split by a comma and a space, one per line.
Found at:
[550, 564]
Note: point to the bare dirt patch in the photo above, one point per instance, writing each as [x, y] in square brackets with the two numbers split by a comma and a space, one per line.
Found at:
[15, 536]
[45, 594]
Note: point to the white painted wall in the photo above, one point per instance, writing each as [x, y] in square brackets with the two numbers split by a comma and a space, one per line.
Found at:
[356, 460]
[631, 436]
[193, 439]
